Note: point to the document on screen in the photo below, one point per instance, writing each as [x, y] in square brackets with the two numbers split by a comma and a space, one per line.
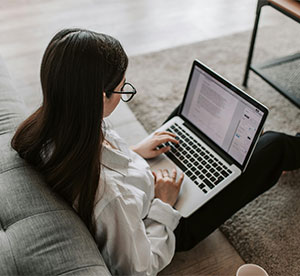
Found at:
[211, 110]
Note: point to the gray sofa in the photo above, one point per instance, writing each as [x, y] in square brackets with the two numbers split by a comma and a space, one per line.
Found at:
[39, 233]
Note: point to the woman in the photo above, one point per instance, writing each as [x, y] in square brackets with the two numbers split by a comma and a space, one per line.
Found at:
[126, 207]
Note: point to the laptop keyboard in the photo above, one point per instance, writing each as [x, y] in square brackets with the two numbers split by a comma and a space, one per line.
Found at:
[196, 161]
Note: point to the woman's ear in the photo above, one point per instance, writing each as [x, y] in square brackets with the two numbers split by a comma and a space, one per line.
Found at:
[107, 95]
[104, 97]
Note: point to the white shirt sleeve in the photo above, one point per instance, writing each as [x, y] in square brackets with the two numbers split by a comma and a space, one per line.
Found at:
[132, 246]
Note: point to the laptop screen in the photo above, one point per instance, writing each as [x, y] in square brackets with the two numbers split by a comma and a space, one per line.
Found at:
[228, 118]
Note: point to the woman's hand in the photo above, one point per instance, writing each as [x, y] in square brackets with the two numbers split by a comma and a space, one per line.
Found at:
[148, 148]
[166, 187]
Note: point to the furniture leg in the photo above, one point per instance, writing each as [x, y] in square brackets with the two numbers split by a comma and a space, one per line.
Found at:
[260, 4]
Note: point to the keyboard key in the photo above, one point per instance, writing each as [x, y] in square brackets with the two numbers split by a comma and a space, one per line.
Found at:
[220, 179]
[204, 191]
[172, 146]
[212, 179]
[208, 183]
[219, 169]
[216, 174]
[224, 173]
[193, 177]
[189, 173]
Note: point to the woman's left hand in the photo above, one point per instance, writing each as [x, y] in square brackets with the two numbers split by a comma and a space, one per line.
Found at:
[148, 148]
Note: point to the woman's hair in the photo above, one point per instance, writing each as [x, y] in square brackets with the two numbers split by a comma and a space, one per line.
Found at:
[63, 138]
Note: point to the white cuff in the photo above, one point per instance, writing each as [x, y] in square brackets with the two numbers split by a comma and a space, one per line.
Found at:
[164, 213]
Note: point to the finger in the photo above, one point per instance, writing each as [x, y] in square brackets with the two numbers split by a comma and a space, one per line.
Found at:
[162, 150]
[180, 180]
[164, 139]
[165, 173]
[159, 175]
[165, 133]
[154, 174]
[174, 174]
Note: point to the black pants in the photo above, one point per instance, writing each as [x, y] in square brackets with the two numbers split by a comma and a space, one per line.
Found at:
[275, 152]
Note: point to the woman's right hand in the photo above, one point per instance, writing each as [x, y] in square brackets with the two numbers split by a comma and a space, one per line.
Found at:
[166, 187]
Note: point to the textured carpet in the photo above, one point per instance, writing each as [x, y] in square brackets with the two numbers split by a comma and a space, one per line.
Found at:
[266, 231]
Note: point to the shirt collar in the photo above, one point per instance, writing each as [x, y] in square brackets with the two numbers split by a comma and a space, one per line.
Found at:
[115, 159]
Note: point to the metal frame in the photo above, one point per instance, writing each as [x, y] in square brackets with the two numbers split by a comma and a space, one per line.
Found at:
[256, 69]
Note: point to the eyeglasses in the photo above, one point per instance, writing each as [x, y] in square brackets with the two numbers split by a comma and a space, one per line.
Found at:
[127, 91]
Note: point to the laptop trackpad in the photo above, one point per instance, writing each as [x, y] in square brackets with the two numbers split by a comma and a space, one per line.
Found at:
[190, 195]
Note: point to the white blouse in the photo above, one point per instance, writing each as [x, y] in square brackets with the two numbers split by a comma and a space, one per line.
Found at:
[134, 230]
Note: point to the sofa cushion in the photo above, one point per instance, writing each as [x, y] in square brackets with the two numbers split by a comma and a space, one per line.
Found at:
[12, 109]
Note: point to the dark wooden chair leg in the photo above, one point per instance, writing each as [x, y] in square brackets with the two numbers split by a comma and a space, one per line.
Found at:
[260, 4]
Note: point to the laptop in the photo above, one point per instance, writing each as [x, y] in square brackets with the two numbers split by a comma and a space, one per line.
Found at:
[218, 126]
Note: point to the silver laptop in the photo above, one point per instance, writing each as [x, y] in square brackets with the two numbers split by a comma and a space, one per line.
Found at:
[218, 127]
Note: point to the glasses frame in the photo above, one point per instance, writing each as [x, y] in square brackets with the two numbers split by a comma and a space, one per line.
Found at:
[123, 93]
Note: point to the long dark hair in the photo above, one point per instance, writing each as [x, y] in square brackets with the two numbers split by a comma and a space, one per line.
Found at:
[63, 138]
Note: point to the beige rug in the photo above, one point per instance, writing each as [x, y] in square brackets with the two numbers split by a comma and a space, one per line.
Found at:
[267, 231]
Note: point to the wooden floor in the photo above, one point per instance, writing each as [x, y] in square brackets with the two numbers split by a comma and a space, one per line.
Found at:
[26, 26]
[142, 26]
